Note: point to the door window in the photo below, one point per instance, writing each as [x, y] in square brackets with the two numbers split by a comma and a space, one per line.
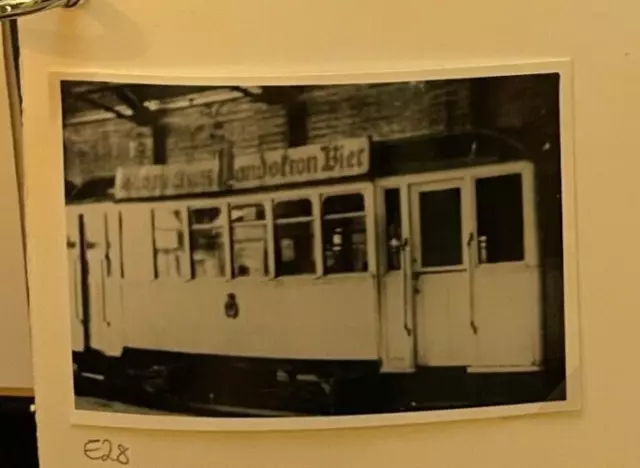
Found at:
[440, 218]
[500, 219]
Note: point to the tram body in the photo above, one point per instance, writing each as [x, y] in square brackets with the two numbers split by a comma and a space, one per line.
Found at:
[433, 278]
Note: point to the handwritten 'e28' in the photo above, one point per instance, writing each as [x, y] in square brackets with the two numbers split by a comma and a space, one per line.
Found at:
[104, 450]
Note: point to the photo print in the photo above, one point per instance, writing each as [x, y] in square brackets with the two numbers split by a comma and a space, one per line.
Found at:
[322, 250]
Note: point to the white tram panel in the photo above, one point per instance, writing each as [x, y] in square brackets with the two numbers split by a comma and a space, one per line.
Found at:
[464, 310]
[74, 279]
[508, 299]
[458, 309]
[93, 246]
[309, 316]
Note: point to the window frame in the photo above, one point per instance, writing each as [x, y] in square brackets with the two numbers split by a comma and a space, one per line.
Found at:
[317, 243]
[462, 184]
[367, 214]
[529, 218]
[224, 227]
[230, 202]
[268, 199]
[187, 275]
[470, 174]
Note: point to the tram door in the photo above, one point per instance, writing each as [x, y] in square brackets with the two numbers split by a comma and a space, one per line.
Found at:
[74, 265]
[441, 251]
[475, 278]
[99, 270]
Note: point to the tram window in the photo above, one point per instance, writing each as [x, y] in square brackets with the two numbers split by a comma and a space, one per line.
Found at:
[393, 227]
[343, 204]
[344, 234]
[249, 240]
[169, 243]
[294, 237]
[500, 219]
[440, 228]
[206, 231]
[248, 212]
[289, 209]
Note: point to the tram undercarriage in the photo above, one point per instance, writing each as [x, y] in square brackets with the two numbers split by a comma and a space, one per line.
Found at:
[212, 385]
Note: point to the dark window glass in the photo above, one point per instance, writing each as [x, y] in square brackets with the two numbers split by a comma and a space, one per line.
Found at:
[339, 204]
[345, 245]
[344, 234]
[500, 219]
[252, 212]
[207, 242]
[249, 240]
[250, 254]
[440, 228]
[169, 243]
[292, 209]
[393, 227]
[205, 216]
[294, 237]
[294, 249]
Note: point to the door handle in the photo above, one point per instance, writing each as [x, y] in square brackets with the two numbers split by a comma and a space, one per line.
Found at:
[11, 9]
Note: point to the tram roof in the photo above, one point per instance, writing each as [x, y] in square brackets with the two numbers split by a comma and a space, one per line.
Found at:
[391, 157]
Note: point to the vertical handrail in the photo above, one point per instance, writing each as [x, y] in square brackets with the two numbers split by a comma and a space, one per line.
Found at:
[103, 293]
[404, 265]
[471, 275]
[76, 304]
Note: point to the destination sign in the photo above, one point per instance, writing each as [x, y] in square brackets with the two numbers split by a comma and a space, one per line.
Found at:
[344, 158]
[164, 180]
[302, 164]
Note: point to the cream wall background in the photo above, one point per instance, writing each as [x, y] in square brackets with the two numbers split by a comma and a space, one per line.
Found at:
[280, 37]
[15, 347]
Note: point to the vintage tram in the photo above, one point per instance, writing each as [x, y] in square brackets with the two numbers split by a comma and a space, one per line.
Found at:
[327, 263]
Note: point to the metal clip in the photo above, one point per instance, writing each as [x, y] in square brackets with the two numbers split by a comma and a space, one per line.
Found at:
[11, 9]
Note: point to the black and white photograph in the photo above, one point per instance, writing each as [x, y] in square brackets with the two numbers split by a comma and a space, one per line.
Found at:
[284, 251]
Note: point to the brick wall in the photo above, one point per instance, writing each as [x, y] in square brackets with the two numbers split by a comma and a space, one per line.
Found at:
[527, 105]
[95, 148]
[383, 111]
[387, 111]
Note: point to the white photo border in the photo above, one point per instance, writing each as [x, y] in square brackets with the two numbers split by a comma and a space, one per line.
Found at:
[42, 178]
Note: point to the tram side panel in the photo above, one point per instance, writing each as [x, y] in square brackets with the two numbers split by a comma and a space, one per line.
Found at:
[94, 278]
[306, 317]
[74, 280]
[508, 293]
[326, 318]
[397, 323]
[482, 313]
[509, 319]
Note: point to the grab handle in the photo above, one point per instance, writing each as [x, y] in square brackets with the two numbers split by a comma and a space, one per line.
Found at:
[401, 246]
[103, 294]
[472, 267]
